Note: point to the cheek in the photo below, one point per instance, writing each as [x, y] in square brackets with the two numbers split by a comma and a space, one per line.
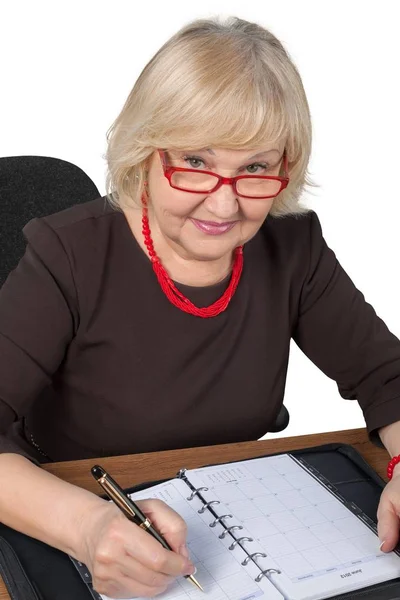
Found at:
[173, 211]
[170, 204]
[255, 211]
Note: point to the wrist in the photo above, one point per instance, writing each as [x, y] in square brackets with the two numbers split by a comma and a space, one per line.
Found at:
[390, 436]
[87, 522]
[393, 469]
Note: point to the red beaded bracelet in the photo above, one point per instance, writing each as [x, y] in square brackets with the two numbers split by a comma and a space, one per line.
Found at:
[391, 465]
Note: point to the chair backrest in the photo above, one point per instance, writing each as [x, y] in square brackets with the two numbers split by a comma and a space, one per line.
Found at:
[35, 186]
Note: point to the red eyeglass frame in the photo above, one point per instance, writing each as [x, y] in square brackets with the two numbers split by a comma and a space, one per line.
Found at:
[169, 171]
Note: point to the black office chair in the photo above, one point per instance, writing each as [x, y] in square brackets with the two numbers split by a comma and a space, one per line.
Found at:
[35, 186]
[281, 422]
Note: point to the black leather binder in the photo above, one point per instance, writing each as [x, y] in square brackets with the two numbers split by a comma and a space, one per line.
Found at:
[34, 571]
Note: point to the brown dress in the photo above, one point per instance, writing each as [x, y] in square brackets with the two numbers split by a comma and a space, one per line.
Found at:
[95, 361]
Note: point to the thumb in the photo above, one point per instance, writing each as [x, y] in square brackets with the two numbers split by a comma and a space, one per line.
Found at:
[168, 523]
[388, 526]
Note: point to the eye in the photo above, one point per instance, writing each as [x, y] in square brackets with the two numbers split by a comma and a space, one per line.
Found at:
[257, 168]
[193, 162]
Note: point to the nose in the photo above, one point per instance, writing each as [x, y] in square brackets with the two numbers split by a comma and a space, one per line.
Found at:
[223, 202]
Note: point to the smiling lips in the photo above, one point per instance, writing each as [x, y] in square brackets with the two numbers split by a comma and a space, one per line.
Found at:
[212, 228]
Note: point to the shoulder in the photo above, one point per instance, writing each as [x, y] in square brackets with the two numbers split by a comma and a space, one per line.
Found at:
[292, 228]
[293, 238]
[292, 249]
[74, 221]
[79, 245]
[81, 239]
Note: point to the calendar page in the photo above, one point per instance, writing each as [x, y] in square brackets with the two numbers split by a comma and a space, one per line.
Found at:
[219, 570]
[307, 542]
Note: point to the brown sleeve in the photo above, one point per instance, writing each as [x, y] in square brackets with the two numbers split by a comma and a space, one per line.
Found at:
[342, 335]
[38, 316]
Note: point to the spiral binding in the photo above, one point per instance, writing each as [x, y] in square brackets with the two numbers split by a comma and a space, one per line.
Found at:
[219, 519]
[197, 491]
[206, 505]
[265, 573]
[252, 557]
[237, 541]
[228, 530]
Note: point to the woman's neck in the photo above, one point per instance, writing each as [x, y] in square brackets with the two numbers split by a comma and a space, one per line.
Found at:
[196, 273]
[199, 273]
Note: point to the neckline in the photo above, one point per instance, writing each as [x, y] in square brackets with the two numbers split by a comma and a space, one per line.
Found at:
[214, 287]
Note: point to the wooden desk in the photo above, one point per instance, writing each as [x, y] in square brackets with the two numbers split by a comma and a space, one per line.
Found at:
[132, 469]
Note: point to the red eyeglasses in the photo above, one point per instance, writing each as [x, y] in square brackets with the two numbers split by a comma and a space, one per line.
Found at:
[206, 182]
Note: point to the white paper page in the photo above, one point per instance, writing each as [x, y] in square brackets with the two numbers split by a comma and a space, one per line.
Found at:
[317, 543]
[219, 571]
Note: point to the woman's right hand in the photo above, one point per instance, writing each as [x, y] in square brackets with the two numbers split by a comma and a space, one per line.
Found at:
[124, 560]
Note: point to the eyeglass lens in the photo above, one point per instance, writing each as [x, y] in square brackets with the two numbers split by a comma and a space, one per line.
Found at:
[202, 182]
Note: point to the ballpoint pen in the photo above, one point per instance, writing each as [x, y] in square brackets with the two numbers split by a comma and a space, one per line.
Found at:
[131, 509]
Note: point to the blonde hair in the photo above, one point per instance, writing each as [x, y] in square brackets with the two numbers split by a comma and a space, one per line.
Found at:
[213, 84]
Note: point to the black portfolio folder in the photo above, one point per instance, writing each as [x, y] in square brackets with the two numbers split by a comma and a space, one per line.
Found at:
[34, 571]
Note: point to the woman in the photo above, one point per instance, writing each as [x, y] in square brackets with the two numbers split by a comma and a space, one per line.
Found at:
[162, 318]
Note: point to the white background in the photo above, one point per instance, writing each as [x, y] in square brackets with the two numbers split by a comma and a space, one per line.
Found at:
[67, 67]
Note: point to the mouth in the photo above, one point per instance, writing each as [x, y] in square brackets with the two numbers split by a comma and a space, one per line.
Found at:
[212, 228]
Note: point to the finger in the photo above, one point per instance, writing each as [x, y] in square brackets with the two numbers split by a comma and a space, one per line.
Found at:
[388, 526]
[129, 568]
[141, 546]
[132, 569]
[168, 522]
[127, 542]
[124, 587]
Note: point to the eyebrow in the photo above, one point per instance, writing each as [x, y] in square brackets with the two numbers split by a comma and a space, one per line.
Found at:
[210, 151]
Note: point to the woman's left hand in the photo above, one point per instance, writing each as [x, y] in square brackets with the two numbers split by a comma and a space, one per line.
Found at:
[389, 513]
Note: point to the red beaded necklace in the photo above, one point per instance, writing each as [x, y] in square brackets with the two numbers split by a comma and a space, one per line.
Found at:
[172, 292]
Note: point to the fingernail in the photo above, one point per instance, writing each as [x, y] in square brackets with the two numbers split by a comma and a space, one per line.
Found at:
[380, 547]
[184, 551]
[190, 569]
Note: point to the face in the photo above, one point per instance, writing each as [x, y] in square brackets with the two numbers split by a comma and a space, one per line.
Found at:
[209, 226]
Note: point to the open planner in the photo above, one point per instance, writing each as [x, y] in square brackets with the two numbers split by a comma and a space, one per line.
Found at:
[271, 528]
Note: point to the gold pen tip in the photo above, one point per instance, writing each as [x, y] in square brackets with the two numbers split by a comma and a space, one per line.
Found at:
[193, 580]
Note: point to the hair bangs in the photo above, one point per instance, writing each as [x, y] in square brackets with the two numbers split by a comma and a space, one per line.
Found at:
[237, 119]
